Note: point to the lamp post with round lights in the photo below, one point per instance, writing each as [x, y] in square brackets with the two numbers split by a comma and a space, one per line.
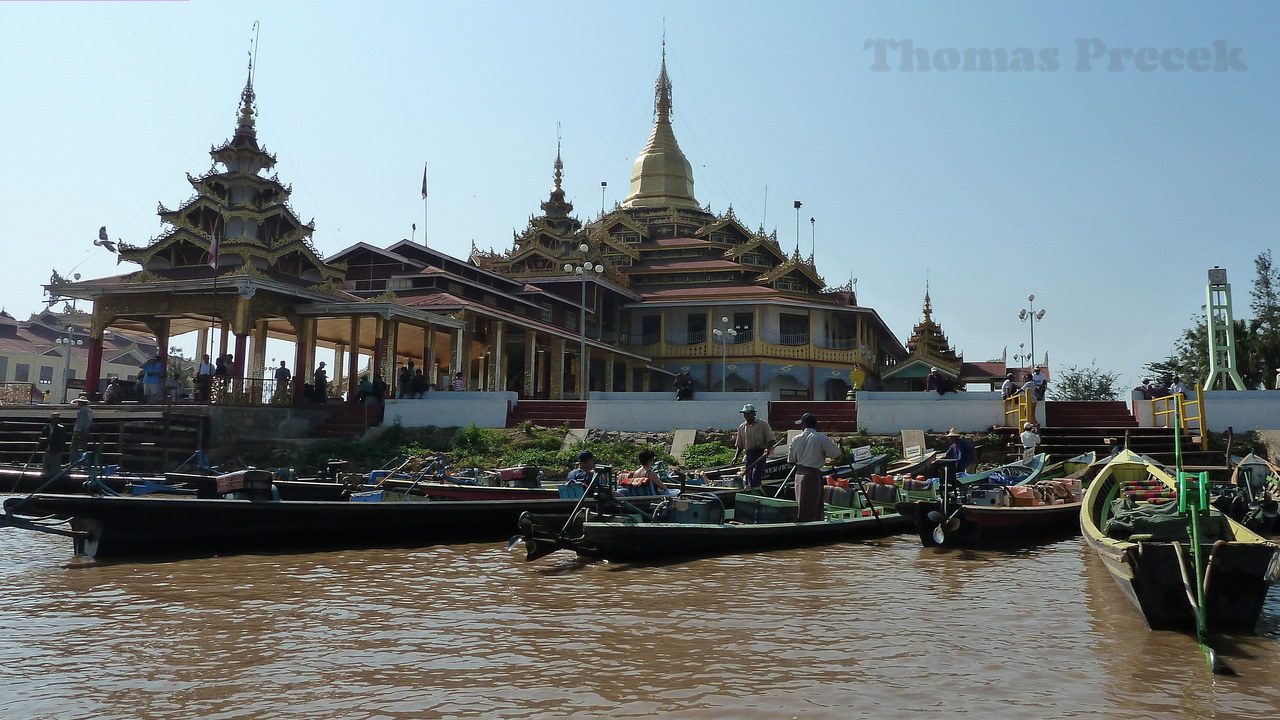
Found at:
[67, 341]
[585, 270]
[725, 336]
[1031, 316]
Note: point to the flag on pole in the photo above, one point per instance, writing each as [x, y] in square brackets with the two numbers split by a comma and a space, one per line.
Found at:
[424, 181]
[213, 250]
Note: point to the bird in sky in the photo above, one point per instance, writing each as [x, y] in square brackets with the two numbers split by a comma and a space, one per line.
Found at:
[103, 240]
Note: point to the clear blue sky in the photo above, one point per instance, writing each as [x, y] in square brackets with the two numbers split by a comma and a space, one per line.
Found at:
[1106, 194]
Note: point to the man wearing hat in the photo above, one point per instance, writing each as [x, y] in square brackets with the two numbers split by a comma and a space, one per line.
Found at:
[809, 452]
[586, 468]
[53, 439]
[961, 450]
[84, 424]
[1041, 380]
[755, 437]
[1030, 439]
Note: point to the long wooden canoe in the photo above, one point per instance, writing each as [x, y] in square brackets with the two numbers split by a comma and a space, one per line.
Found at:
[1149, 554]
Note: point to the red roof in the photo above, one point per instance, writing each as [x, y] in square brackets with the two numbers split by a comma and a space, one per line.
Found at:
[974, 370]
[679, 242]
[691, 264]
[686, 291]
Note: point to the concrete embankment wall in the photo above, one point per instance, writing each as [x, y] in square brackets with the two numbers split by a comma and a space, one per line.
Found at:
[452, 409]
[1243, 410]
[659, 412]
[886, 413]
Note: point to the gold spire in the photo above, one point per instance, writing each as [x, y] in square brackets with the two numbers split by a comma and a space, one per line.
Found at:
[661, 175]
[556, 206]
[246, 134]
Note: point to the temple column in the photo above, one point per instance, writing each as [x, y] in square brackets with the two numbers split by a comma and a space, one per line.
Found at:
[429, 354]
[498, 359]
[608, 373]
[302, 341]
[258, 361]
[238, 366]
[379, 348]
[93, 370]
[530, 362]
[340, 365]
[628, 380]
[388, 367]
[556, 388]
[224, 346]
[464, 358]
[202, 345]
[353, 361]
[646, 382]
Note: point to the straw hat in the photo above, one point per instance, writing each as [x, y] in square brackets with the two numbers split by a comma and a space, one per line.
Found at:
[953, 433]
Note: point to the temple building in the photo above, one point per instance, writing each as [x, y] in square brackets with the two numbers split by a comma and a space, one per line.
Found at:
[930, 349]
[696, 292]
[656, 287]
[236, 265]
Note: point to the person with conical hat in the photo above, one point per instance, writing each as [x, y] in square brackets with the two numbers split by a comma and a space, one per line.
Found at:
[961, 450]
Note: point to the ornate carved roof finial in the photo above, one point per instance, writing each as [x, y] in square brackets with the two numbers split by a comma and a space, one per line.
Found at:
[245, 132]
[556, 206]
[662, 92]
[928, 306]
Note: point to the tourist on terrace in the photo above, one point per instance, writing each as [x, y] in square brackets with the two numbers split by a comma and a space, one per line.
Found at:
[1009, 387]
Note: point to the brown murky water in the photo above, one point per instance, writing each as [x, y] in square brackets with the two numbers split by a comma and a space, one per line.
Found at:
[878, 630]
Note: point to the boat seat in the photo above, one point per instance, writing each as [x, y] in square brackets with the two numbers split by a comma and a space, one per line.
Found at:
[839, 496]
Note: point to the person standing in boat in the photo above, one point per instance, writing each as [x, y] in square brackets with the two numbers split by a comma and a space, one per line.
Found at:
[53, 440]
[809, 451]
[82, 428]
[961, 450]
[754, 438]
[1030, 439]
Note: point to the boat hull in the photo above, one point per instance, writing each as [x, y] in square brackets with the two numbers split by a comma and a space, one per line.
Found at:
[979, 524]
[147, 527]
[1240, 566]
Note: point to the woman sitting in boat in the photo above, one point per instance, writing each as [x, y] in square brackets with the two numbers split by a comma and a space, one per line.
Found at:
[648, 475]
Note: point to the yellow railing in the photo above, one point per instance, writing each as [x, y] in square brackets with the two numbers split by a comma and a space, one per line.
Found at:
[1018, 410]
[1170, 408]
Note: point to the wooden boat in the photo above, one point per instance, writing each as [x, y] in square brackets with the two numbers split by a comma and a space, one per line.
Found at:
[150, 526]
[1250, 497]
[697, 525]
[914, 466]
[1132, 520]
[1014, 500]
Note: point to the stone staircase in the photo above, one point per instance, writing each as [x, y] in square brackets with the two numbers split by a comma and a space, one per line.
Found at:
[839, 416]
[549, 413]
[1088, 414]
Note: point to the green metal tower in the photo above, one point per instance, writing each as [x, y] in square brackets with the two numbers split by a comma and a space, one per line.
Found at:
[1222, 335]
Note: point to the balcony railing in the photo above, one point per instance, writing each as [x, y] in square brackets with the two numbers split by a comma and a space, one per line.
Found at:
[777, 338]
[691, 338]
[638, 339]
[837, 343]
[251, 392]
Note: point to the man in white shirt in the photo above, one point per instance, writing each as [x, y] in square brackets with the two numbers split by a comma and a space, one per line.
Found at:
[1041, 380]
[1030, 439]
[1009, 387]
[809, 452]
[204, 380]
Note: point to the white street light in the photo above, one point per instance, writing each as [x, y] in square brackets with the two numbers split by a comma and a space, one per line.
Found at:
[1031, 316]
[584, 271]
[725, 337]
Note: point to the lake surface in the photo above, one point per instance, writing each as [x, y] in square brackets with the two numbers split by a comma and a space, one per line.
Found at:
[885, 629]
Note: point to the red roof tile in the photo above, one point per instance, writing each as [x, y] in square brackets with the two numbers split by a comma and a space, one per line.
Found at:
[679, 242]
[684, 265]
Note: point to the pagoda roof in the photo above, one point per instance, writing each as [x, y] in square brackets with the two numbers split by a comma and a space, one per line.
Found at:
[680, 242]
[683, 264]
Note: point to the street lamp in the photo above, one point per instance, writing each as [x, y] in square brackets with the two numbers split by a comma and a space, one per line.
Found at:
[68, 341]
[1031, 316]
[583, 271]
[725, 337]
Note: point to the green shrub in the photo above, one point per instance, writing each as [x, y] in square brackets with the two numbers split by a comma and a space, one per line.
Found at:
[708, 454]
